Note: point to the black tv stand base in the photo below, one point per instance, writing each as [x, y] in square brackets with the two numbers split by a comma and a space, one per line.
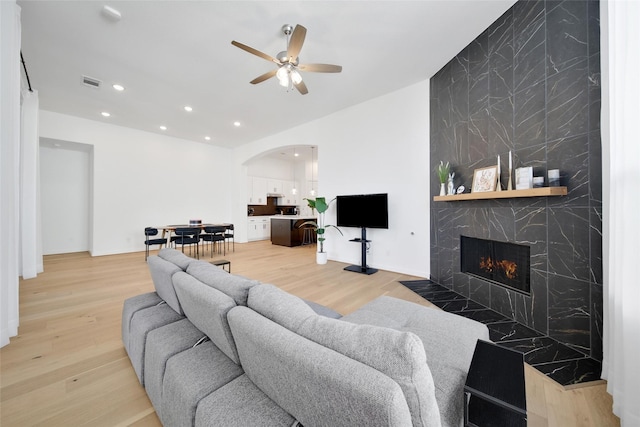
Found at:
[361, 269]
[363, 245]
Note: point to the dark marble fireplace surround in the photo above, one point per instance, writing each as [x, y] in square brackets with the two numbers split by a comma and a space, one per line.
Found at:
[529, 84]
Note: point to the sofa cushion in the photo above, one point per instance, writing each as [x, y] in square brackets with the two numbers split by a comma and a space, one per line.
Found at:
[161, 273]
[399, 355]
[189, 377]
[175, 257]
[313, 383]
[323, 310]
[207, 309]
[240, 404]
[237, 287]
[162, 344]
[142, 322]
[449, 342]
[130, 306]
[281, 307]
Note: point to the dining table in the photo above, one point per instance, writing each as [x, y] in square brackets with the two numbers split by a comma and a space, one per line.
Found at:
[172, 228]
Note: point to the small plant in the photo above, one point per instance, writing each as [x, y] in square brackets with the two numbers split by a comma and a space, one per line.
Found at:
[443, 171]
[321, 205]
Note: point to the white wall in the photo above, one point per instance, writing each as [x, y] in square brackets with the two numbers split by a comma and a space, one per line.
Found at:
[381, 146]
[65, 200]
[271, 168]
[142, 179]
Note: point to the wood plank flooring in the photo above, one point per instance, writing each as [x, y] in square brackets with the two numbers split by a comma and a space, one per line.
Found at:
[68, 366]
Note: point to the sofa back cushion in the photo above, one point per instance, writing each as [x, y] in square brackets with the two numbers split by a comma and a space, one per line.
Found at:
[175, 257]
[399, 355]
[237, 287]
[315, 384]
[280, 306]
[161, 274]
[207, 309]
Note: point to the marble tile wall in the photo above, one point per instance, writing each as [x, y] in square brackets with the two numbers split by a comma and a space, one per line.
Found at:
[529, 84]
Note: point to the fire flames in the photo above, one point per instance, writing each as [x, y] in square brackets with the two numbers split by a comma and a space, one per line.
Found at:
[509, 268]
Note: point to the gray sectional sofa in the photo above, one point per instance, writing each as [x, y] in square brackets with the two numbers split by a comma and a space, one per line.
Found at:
[216, 349]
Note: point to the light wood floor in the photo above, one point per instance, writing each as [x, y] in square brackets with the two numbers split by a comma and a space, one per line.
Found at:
[68, 367]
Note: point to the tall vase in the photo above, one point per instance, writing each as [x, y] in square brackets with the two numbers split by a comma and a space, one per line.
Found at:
[443, 191]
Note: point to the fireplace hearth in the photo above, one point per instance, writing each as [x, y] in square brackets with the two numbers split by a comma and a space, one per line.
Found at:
[506, 264]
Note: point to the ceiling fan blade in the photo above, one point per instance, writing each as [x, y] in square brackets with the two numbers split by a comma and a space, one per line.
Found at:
[320, 68]
[302, 88]
[255, 52]
[264, 77]
[296, 41]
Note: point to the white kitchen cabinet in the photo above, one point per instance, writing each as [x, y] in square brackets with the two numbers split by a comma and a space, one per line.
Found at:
[266, 229]
[289, 198]
[274, 186]
[256, 190]
[259, 228]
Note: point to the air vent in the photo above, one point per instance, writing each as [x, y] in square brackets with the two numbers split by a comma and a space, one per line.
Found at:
[91, 82]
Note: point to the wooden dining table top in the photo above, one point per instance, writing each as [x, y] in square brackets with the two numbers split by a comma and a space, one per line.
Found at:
[173, 227]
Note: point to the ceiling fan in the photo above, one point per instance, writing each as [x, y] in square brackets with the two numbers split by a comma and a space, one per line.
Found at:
[288, 71]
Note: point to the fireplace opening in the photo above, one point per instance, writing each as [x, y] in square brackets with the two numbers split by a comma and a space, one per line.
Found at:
[506, 264]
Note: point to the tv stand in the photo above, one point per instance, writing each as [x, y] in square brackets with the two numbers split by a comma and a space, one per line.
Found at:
[363, 269]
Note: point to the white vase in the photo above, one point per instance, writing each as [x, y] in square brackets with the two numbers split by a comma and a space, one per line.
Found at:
[443, 191]
[321, 257]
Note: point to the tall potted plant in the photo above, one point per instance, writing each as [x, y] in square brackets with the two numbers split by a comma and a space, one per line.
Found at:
[320, 204]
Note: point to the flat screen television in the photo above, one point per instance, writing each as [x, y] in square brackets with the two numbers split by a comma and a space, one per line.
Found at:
[363, 210]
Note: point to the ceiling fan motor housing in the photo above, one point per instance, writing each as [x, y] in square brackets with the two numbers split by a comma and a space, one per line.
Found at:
[282, 57]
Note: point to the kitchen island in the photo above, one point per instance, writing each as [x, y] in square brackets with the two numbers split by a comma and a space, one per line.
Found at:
[286, 230]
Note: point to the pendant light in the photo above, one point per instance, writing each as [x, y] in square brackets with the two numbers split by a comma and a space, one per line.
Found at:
[294, 190]
[313, 191]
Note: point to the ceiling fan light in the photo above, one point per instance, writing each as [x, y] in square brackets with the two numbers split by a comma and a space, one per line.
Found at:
[284, 82]
[282, 73]
[296, 78]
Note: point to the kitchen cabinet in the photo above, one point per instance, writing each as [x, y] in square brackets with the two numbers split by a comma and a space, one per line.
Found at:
[258, 228]
[289, 198]
[287, 231]
[256, 190]
[274, 186]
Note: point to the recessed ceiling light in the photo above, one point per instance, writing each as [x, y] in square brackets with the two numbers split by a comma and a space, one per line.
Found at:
[111, 13]
[118, 87]
[208, 138]
[105, 114]
[187, 108]
[163, 128]
[296, 154]
[236, 124]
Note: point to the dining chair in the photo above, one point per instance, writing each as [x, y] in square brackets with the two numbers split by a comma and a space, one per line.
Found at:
[187, 236]
[214, 235]
[229, 234]
[151, 231]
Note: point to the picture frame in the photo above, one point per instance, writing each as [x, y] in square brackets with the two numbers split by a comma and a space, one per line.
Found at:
[524, 178]
[485, 179]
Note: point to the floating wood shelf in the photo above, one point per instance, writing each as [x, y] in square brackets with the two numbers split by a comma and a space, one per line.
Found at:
[504, 194]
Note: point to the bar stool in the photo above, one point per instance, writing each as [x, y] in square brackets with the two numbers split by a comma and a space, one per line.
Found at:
[308, 235]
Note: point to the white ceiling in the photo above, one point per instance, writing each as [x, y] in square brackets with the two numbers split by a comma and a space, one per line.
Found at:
[169, 54]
